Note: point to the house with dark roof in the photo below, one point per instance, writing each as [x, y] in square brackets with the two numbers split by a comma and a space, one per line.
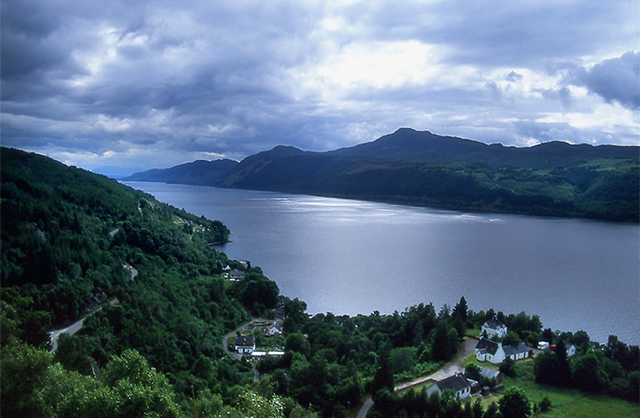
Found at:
[458, 383]
[517, 352]
[487, 350]
[245, 344]
[236, 274]
[495, 353]
[493, 327]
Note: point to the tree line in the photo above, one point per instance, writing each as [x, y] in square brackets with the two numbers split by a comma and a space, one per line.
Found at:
[151, 345]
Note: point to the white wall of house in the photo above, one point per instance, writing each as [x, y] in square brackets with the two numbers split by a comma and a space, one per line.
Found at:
[501, 331]
[245, 349]
[496, 358]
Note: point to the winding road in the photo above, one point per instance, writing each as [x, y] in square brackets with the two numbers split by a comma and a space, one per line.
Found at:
[466, 349]
[225, 346]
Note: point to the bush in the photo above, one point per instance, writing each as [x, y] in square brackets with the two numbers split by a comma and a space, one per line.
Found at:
[545, 404]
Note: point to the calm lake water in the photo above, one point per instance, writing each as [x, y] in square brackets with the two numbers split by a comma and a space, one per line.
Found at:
[352, 257]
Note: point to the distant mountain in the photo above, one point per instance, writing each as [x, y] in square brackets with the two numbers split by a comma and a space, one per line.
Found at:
[421, 168]
[198, 172]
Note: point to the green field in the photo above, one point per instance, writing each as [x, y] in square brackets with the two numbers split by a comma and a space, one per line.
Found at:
[566, 403]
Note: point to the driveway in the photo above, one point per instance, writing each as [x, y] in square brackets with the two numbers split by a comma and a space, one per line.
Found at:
[456, 365]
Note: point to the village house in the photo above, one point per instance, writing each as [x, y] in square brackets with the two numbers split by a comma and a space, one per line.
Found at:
[495, 353]
[236, 275]
[274, 329]
[493, 327]
[517, 352]
[458, 383]
[245, 344]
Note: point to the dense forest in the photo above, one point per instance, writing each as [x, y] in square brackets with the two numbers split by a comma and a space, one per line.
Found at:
[157, 302]
[420, 168]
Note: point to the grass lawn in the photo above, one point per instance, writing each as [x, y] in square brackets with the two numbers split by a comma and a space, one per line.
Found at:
[566, 402]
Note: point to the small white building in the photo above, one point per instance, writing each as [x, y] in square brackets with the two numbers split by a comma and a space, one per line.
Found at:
[236, 274]
[274, 329]
[458, 383]
[494, 327]
[517, 352]
[495, 353]
[245, 344]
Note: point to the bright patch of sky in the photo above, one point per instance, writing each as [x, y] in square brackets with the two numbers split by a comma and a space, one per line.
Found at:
[147, 84]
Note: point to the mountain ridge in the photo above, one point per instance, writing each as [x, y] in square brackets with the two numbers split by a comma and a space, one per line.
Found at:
[421, 168]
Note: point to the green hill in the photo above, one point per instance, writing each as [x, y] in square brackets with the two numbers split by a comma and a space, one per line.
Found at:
[420, 168]
[156, 306]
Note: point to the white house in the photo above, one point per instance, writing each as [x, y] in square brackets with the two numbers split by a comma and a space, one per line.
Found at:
[236, 274]
[274, 329]
[517, 352]
[245, 345]
[487, 350]
[571, 350]
[495, 353]
[494, 327]
[458, 383]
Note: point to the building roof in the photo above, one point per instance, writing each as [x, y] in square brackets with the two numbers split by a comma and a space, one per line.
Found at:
[456, 382]
[245, 341]
[489, 373]
[510, 350]
[487, 346]
[494, 324]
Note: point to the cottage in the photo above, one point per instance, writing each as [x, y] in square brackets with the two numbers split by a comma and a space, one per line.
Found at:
[274, 329]
[245, 345]
[487, 350]
[458, 383]
[494, 327]
[571, 350]
[495, 353]
[517, 352]
[236, 274]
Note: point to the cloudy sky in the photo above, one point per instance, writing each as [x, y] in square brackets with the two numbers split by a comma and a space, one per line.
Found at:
[121, 86]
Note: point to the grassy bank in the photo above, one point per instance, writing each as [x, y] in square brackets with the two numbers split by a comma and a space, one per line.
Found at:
[566, 403]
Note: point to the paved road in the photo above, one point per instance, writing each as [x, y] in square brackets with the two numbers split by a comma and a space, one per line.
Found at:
[225, 342]
[234, 354]
[72, 329]
[449, 369]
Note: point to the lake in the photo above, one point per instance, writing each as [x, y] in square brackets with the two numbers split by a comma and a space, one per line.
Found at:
[355, 257]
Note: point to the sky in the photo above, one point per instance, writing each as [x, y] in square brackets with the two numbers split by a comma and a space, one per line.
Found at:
[118, 87]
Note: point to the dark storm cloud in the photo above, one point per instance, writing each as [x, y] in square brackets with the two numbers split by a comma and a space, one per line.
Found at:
[615, 80]
[149, 84]
[509, 33]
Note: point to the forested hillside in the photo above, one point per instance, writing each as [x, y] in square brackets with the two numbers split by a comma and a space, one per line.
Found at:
[157, 303]
[420, 168]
